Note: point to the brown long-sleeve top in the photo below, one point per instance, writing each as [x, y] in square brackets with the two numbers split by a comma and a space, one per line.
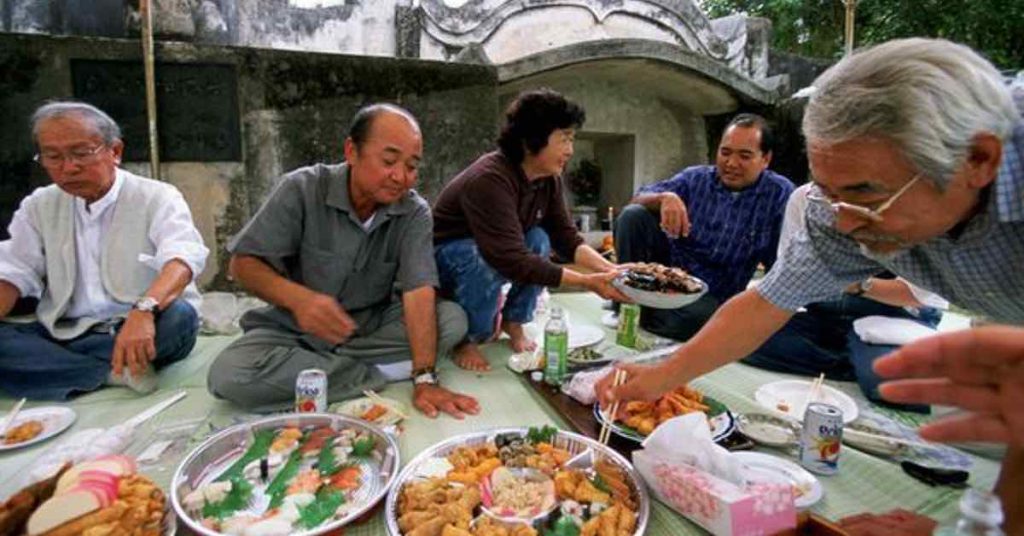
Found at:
[494, 203]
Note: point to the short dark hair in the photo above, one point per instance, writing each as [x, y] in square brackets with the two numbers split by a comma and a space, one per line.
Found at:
[362, 122]
[532, 117]
[753, 120]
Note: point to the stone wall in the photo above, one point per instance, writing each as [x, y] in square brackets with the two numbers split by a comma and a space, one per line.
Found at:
[293, 109]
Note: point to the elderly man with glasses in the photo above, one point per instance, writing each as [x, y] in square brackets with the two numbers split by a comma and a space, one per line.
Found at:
[112, 258]
[917, 152]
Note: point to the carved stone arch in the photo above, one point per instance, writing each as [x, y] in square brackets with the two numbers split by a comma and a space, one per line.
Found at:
[479, 20]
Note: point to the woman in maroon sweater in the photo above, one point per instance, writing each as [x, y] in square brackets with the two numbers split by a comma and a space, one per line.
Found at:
[497, 221]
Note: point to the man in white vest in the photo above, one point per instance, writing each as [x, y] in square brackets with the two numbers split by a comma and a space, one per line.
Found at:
[112, 258]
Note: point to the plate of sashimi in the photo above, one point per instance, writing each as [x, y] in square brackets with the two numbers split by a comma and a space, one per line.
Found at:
[296, 474]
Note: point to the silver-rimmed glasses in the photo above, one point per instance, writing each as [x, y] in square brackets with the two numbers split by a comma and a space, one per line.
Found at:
[80, 156]
[874, 214]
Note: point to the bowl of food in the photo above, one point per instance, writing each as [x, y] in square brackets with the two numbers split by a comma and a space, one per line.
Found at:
[300, 474]
[517, 482]
[660, 287]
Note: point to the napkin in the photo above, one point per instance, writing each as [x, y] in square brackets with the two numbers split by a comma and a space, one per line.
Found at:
[687, 440]
[887, 330]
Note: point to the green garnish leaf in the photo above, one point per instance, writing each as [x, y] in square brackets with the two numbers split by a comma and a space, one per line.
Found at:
[541, 435]
[327, 462]
[564, 526]
[326, 504]
[362, 448]
[279, 485]
[259, 449]
[600, 484]
[235, 500]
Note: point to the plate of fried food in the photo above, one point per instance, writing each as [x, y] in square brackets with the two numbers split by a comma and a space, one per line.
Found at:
[34, 425]
[378, 410]
[659, 286]
[299, 474]
[101, 496]
[518, 482]
[637, 419]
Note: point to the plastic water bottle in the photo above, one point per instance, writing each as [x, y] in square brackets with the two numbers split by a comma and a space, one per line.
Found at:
[981, 514]
[556, 347]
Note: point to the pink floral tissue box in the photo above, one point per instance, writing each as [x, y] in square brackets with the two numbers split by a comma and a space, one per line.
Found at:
[721, 507]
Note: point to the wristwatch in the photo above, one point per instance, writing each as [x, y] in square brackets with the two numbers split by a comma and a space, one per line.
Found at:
[424, 376]
[863, 287]
[146, 304]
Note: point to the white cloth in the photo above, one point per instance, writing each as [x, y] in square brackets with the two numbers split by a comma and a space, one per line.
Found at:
[23, 261]
[793, 223]
[888, 330]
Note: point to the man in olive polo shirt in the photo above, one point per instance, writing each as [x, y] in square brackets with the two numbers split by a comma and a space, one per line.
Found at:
[344, 255]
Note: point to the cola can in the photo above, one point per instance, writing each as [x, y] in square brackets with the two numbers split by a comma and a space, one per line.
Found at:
[311, 391]
[821, 438]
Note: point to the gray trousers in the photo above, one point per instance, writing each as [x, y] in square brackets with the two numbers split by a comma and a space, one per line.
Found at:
[258, 370]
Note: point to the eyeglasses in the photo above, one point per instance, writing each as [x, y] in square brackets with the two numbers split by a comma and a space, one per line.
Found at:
[874, 214]
[76, 156]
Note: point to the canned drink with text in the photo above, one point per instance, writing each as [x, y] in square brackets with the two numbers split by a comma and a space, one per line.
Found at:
[629, 324]
[311, 391]
[821, 438]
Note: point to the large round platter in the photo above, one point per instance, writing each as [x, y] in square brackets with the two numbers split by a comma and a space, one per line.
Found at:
[576, 444]
[215, 455]
[789, 397]
[659, 300]
[722, 422]
[55, 419]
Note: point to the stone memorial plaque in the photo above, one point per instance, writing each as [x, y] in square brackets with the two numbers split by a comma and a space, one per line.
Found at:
[197, 107]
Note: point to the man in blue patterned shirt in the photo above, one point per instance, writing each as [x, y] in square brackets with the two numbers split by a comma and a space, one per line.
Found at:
[917, 151]
[716, 222]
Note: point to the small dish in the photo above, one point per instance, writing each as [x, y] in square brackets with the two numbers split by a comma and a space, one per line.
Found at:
[388, 412]
[53, 419]
[872, 441]
[768, 429]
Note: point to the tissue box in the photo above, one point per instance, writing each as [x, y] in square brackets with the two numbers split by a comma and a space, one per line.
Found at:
[716, 504]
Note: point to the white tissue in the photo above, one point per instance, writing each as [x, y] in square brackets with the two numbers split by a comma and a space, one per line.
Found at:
[687, 440]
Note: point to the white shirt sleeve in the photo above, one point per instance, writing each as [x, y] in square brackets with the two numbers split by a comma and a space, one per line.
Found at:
[22, 262]
[926, 297]
[176, 237]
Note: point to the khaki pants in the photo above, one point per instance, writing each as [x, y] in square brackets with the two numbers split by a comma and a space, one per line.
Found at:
[258, 370]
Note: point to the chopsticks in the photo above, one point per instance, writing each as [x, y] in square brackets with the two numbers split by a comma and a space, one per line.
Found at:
[814, 393]
[11, 416]
[377, 399]
[606, 430]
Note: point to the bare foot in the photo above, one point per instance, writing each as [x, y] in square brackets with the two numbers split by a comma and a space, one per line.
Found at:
[517, 337]
[468, 356]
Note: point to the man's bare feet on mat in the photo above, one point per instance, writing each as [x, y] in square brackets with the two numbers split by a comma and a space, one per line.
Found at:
[469, 357]
[517, 337]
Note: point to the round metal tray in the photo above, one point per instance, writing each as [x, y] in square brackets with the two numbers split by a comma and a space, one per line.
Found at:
[572, 442]
[217, 453]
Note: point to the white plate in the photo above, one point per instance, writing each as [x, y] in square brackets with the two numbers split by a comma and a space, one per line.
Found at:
[659, 300]
[766, 468]
[584, 335]
[768, 429]
[789, 397]
[358, 406]
[55, 420]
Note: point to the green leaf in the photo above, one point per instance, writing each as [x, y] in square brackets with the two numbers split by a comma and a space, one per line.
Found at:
[563, 527]
[279, 485]
[363, 447]
[600, 484]
[327, 462]
[327, 502]
[545, 434]
[259, 449]
[235, 500]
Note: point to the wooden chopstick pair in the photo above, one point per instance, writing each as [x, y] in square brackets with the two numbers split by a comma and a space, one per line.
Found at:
[814, 393]
[606, 430]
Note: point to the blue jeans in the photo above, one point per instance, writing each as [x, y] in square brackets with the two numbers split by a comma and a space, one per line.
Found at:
[822, 340]
[476, 286]
[35, 365]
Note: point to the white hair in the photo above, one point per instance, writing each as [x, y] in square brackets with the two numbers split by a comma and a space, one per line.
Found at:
[104, 125]
[930, 97]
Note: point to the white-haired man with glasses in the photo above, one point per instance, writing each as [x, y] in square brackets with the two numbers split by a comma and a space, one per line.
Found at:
[917, 152]
[112, 258]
